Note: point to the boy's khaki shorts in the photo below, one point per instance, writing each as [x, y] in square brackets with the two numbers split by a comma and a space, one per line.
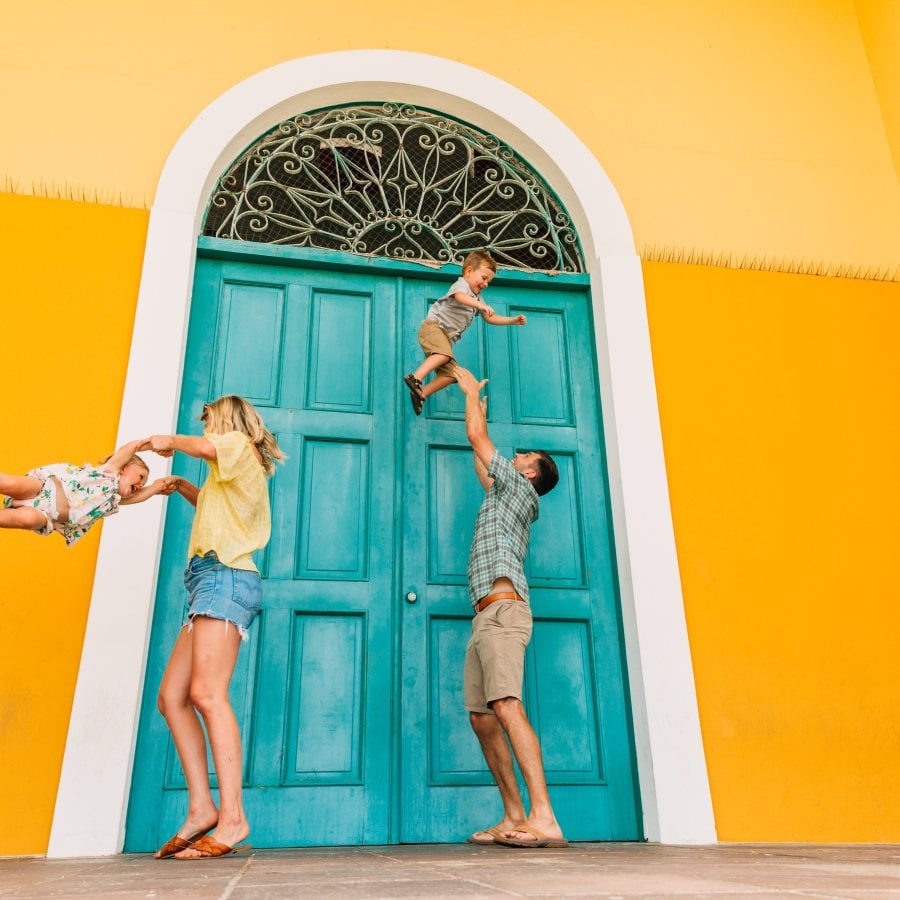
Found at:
[433, 339]
[495, 655]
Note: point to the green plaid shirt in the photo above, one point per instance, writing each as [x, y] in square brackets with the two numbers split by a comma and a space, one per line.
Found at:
[502, 530]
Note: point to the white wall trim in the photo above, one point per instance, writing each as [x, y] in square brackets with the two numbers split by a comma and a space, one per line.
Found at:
[89, 818]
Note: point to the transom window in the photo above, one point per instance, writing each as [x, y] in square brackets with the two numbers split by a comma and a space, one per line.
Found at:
[392, 180]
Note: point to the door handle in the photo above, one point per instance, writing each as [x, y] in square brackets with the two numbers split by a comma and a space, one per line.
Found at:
[411, 596]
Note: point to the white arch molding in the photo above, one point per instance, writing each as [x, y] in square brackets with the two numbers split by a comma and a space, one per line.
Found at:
[91, 804]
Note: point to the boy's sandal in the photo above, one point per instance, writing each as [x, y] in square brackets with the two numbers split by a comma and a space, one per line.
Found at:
[413, 383]
[415, 393]
[210, 848]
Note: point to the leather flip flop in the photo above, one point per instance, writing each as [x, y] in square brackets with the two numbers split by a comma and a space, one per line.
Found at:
[540, 842]
[210, 848]
[494, 832]
[175, 844]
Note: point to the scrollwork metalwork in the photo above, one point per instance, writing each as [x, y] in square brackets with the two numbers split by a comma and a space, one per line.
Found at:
[392, 180]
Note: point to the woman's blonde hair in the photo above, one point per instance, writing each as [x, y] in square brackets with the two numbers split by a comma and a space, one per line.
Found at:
[233, 413]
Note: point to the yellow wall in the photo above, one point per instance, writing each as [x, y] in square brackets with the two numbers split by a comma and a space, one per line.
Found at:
[749, 128]
[778, 398]
[753, 129]
[879, 22]
[70, 278]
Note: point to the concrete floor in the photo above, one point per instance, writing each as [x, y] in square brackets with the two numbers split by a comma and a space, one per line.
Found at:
[726, 871]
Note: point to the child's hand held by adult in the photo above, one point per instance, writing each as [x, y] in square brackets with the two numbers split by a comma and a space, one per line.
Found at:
[168, 484]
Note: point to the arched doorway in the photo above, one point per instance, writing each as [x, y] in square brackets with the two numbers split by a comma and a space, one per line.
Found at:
[350, 689]
[91, 801]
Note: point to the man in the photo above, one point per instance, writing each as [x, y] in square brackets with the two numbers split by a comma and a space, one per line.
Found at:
[501, 629]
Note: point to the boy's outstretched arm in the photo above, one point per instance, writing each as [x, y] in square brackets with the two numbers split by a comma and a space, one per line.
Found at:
[506, 320]
[480, 305]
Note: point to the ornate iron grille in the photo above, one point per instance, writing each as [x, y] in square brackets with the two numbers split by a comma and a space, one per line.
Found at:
[392, 180]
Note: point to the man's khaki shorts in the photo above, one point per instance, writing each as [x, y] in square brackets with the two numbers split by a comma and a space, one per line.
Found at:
[495, 655]
[433, 339]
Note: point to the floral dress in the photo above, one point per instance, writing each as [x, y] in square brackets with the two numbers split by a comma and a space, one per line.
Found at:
[92, 494]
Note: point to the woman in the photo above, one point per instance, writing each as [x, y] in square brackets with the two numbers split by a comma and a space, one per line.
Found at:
[224, 595]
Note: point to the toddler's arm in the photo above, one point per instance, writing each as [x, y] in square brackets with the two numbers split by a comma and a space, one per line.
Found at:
[506, 320]
[466, 300]
[117, 461]
[146, 492]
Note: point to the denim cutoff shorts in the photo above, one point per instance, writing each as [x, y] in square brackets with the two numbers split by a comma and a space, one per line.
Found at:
[220, 592]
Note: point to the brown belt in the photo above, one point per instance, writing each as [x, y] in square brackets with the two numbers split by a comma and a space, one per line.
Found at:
[493, 598]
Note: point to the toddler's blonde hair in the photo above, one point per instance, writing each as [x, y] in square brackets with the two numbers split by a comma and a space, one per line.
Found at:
[479, 258]
[233, 413]
[134, 461]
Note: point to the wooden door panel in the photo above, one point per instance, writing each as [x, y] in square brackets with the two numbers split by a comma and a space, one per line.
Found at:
[540, 396]
[339, 356]
[349, 698]
[249, 345]
[310, 687]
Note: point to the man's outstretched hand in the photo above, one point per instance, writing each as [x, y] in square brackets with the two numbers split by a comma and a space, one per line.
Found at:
[467, 383]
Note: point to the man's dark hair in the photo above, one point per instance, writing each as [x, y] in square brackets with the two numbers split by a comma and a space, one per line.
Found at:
[547, 475]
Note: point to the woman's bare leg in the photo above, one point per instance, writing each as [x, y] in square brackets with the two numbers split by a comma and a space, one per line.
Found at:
[175, 704]
[214, 653]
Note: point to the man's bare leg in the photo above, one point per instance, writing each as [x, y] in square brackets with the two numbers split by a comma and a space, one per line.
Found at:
[527, 750]
[499, 759]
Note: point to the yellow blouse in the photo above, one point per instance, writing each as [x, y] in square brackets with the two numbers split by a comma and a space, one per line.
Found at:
[233, 516]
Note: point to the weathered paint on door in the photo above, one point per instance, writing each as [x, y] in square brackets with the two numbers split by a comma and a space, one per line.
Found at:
[348, 694]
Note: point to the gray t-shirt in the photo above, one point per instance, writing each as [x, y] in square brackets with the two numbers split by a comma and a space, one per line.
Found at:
[451, 315]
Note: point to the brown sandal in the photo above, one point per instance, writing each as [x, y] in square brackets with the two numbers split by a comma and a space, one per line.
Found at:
[494, 833]
[176, 844]
[415, 393]
[210, 848]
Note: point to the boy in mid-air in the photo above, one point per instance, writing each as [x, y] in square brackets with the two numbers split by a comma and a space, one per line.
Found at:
[447, 319]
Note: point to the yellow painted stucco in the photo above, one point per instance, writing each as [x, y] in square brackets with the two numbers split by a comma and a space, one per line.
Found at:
[879, 22]
[70, 279]
[754, 133]
[747, 129]
[778, 397]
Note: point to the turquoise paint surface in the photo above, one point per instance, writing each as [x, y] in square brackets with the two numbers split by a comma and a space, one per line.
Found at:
[349, 696]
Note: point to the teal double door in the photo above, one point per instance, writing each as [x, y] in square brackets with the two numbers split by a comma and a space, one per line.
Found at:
[349, 691]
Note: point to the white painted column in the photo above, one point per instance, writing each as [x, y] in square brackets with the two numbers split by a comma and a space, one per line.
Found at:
[674, 785]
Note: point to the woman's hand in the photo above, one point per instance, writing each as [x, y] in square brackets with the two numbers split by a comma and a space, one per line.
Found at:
[161, 444]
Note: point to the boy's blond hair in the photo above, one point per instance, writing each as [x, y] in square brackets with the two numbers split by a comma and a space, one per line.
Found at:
[233, 413]
[479, 258]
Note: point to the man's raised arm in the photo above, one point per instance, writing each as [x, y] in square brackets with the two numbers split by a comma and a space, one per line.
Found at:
[476, 424]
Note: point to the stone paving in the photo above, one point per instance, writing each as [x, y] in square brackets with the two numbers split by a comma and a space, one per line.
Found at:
[726, 871]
